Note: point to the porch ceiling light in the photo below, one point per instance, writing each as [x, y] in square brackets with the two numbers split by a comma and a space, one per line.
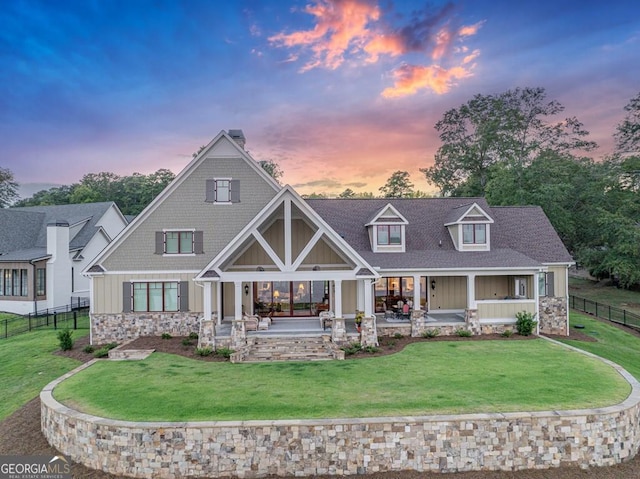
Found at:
[316, 268]
[259, 268]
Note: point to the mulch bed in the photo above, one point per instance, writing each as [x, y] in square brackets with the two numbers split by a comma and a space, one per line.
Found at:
[20, 432]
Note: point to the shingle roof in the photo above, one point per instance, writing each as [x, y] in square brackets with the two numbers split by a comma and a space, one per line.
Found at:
[520, 237]
[24, 230]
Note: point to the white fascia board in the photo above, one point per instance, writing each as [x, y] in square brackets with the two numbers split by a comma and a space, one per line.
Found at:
[177, 181]
[384, 209]
[132, 273]
[488, 219]
[268, 209]
[260, 276]
[570, 263]
[458, 271]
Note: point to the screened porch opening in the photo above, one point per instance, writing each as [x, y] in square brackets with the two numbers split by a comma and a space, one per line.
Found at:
[290, 298]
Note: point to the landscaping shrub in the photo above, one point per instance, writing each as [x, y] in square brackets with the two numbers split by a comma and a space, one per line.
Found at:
[525, 323]
[103, 352]
[165, 336]
[66, 341]
[431, 333]
[398, 336]
[225, 352]
[464, 333]
[193, 335]
[186, 342]
[507, 333]
[371, 349]
[110, 346]
[353, 348]
[89, 349]
[206, 351]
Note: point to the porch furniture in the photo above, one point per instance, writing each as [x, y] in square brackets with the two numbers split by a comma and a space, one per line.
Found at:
[251, 323]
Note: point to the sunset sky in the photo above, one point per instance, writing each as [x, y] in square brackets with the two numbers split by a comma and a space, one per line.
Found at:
[340, 93]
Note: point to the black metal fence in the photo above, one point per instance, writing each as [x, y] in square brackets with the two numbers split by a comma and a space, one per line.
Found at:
[605, 311]
[71, 316]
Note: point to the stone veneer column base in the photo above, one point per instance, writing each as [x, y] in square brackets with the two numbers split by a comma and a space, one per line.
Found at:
[252, 449]
[118, 328]
[553, 315]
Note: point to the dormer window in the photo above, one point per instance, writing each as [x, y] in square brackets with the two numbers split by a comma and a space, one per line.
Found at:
[474, 234]
[389, 235]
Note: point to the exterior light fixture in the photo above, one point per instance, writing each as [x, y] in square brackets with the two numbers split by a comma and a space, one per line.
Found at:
[246, 290]
[433, 284]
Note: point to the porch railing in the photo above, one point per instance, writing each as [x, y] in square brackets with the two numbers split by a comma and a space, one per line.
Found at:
[605, 311]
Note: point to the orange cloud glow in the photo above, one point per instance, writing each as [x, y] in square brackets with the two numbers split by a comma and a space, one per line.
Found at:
[469, 30]
[384, 45]
[409, 79]
[339, 24]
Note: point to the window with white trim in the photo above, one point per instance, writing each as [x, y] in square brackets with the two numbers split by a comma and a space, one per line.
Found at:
[389, 235]
[155, 296]
[222, 191]
[474, 233]
[178, 242]
[545, 284]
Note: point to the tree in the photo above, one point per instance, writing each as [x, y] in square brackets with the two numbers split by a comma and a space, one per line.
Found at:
[8, 188]
[511, 128]
[397, 186]
[348, 193]
[272, 168]
[627, 135]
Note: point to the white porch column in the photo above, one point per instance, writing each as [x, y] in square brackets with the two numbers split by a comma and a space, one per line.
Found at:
[471, 292]
[536, 295]
[337, 301]
[368, 297]
[237, 299]
[207, 301]
[219, 301]
[417, 292]
[360, 301]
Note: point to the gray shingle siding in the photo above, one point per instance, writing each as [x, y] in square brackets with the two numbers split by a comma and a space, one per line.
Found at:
[186, 207]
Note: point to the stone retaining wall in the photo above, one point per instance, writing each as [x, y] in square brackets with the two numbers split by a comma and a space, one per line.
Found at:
[108, 328]
[248, 449]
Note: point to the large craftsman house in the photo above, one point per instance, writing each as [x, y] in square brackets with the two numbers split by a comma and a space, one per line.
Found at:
[44, 249]
[226, 252]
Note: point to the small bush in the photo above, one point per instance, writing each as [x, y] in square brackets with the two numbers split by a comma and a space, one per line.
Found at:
[507, 333]
[66, 341]
[89, 349]
[109, 346]
[398, 336]
[193, 336]
[371, 349]
[525, 323]
[101, 353]
[186, 342]
[431, 333]
[464, 333]
[165, 336]
[353, 348]
[206, 351]
[225, 352]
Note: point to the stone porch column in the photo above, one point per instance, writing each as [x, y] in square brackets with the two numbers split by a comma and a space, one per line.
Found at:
[368, 334]
[339, 330]
[418, 323]
[207, 335]
[238, 334]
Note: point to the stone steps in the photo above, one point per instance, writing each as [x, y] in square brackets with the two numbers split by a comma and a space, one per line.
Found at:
[296, 348]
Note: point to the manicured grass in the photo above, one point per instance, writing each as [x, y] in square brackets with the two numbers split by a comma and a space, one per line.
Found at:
[27, 365]
[425, 378]
[612, 343]
[620, 298]
[14, 324]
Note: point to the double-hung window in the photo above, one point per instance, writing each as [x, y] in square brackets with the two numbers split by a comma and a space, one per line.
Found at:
[41, 282]
[389, 235]
[474, 233]
[545, 284]
[222, 191]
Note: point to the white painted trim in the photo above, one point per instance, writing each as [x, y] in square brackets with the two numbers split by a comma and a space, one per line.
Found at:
[171, 271]
[307, 249]
[164, 280]
[269, 250]
[173, 255]
[173, 230]
[287, 233]
[489, 220]
[383, 210]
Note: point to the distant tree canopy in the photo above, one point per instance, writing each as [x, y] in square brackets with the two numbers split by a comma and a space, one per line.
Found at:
[8, 188]
[131, 193]
[397, 186]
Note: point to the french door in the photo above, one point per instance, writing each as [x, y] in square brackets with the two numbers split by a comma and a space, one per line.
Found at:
[291, 298]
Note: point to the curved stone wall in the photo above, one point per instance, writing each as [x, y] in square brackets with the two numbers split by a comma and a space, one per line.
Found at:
[446, 443]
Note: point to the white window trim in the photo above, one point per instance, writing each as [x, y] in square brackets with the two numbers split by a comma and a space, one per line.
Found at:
[179, 230]
[215, 191]
[389, 248]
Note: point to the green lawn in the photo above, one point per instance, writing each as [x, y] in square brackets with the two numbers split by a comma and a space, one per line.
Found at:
[425, 378]
[27, 365]
[612, 343]
[620, 298]
[13, 324]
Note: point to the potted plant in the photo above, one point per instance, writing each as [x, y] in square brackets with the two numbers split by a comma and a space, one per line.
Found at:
[359, 316]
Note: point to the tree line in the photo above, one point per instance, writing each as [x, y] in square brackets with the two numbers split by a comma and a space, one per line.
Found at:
[512, 148]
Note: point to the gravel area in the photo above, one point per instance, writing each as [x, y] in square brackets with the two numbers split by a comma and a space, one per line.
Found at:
[20, 432]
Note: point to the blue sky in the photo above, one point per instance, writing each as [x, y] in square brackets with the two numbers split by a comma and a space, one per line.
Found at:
[341, 93]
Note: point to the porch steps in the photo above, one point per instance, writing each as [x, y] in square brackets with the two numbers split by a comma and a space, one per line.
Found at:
[289, 348]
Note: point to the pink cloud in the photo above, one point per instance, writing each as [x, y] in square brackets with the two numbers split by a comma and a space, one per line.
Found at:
[339, 24]
[409, 79]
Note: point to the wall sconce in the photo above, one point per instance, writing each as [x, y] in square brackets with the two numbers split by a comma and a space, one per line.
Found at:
[433, 284]
[246, 290]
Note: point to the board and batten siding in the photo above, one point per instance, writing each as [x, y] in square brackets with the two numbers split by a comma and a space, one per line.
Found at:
[450, 293]
[107, 290]
[186, 208]
[559, 280]
[494, 287]
[504, 309]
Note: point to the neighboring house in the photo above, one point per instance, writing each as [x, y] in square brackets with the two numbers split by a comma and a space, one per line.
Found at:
[224, 239]
[44, 249]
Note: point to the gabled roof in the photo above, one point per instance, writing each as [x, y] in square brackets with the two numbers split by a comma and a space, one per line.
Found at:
[378, 216]
[171, 187]
[459, 213]
[520, 237]
[23, 236]
[286, 192]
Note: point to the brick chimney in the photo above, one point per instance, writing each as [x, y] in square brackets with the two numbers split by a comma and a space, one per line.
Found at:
[238, 137]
